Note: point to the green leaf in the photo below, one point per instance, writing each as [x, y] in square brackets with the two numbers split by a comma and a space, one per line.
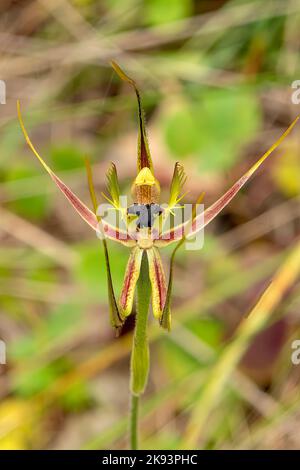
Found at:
[57, 325]
[178, 181]
[66, 156]
[34, 207]
[181, 132]
[214, 126]
[208, 329]
[139, 363]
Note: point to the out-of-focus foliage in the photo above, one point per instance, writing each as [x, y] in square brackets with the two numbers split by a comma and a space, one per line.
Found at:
[218, 123]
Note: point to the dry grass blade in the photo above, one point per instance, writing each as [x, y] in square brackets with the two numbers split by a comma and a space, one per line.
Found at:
[255, 322]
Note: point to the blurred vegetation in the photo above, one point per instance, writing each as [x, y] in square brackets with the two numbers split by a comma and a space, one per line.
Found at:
[216, 82]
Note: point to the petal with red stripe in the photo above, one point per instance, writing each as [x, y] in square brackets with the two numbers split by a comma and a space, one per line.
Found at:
[131, 276]
[86, 214]
[184, 230]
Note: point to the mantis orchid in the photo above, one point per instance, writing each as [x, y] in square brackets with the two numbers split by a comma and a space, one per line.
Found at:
[144, 234]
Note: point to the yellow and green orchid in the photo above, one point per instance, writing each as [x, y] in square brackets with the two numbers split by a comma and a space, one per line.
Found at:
[144, 233]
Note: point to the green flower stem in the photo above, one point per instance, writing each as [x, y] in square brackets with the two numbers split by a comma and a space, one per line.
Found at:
[140, 348]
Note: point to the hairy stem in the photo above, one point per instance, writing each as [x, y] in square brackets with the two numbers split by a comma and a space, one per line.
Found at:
[140, 348]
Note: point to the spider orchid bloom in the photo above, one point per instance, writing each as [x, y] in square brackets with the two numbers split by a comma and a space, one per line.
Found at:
[144, 220]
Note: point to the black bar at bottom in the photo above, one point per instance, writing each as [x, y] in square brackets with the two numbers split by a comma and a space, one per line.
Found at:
[133, 459]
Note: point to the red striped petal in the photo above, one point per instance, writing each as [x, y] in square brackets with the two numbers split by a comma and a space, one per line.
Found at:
[131, 276]
[178, 232]
[85, 213]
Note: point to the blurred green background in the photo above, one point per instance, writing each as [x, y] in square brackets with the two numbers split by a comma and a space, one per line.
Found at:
[216, 83]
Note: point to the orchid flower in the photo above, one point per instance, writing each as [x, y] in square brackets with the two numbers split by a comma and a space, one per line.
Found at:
[144, 234]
